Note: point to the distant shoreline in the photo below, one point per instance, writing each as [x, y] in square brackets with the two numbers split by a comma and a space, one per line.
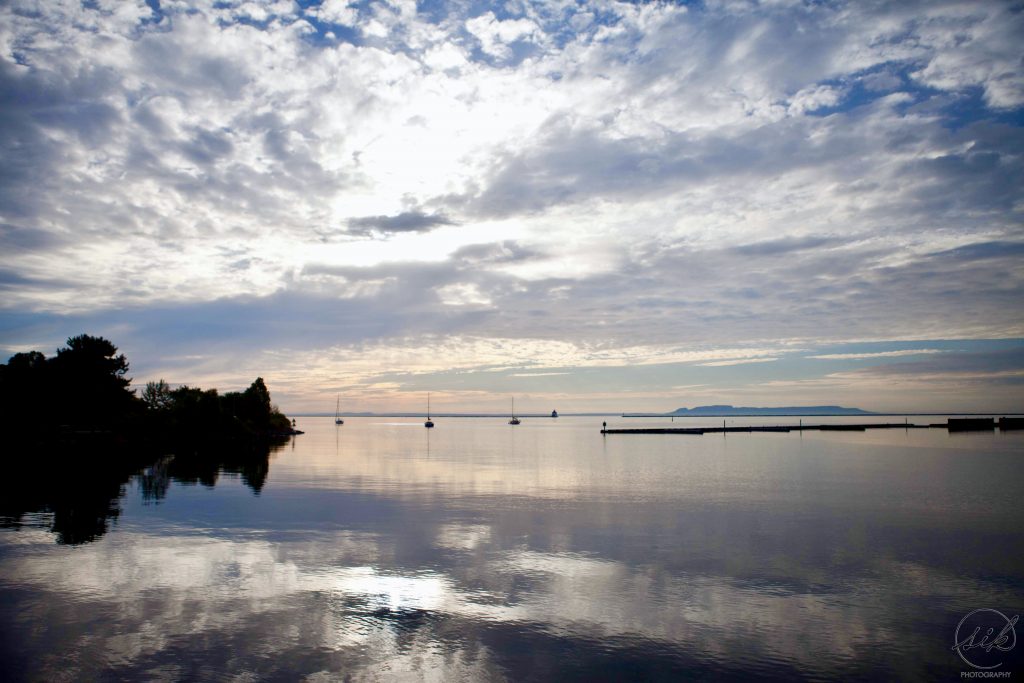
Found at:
[809, 414]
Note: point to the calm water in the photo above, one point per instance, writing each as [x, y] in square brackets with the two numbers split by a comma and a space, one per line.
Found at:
[478, 551]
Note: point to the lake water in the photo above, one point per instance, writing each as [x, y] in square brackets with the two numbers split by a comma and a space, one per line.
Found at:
[380, 550]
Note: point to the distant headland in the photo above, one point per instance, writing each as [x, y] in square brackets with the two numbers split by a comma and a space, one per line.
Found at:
[733, 411]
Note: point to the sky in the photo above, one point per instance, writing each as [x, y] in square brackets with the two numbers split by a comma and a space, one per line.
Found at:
[590, 206]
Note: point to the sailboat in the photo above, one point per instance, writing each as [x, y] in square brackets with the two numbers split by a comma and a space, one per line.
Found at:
[337, 412]
[514, 420]
[429, 424]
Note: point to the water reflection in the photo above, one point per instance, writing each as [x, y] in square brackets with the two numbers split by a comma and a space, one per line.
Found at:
[206, 467]
[551, 556]
[76, 492]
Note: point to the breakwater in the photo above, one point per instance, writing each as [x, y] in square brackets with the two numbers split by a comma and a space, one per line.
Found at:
[953, 425]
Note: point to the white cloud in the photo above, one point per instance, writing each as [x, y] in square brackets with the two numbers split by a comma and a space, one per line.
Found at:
[812, 98]
[496, 35]
[975, 45]
[462, 294]
[335, 12]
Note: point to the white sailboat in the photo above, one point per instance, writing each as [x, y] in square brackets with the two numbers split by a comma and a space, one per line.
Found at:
[337, 412]
[514, 420]
[429, 423]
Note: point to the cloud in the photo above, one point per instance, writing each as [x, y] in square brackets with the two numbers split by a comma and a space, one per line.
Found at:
[980, 251]
[508, 251]
[876, 354]
[785, 245]
[738, 361]
[1005, 363]
[336, 12]
[980, 55]
[496, 35]
[409, 221]
[15, 239]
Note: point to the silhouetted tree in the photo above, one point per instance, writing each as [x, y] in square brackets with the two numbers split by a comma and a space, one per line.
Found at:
[25, 385]
[279, 422]
[32, 361]
[257, 399]
[195, 413]
[157, 395]
[91, 383]
[252, 412]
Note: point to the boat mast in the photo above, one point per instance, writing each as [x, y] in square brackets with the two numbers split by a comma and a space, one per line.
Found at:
[429, 423]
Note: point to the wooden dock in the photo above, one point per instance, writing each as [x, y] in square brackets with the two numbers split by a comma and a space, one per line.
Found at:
[953, 425]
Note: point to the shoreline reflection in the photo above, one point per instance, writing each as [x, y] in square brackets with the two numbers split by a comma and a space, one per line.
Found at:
[77, 493]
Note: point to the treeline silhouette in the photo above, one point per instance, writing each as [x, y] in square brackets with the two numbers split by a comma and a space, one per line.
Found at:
[84, 390]
[76, 435]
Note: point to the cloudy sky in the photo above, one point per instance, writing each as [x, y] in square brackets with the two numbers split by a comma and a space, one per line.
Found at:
[589, 205]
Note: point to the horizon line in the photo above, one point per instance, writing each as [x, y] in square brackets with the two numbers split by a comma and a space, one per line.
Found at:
[634, 415]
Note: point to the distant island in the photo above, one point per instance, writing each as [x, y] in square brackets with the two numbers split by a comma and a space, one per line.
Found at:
[731, 411]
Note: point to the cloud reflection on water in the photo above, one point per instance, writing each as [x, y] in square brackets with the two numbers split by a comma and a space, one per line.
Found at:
[404, 564]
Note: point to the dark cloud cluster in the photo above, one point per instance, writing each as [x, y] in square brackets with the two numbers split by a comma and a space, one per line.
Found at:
[1003, 366]
[408, 221]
